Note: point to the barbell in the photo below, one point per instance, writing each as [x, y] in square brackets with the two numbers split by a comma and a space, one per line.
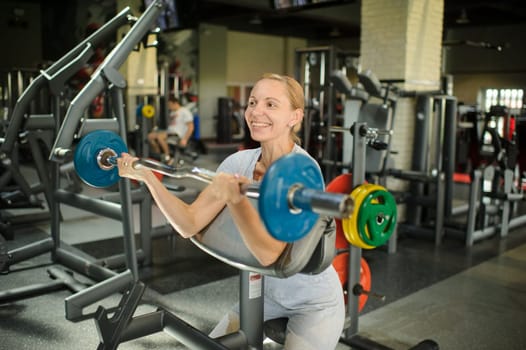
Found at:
[290, 196]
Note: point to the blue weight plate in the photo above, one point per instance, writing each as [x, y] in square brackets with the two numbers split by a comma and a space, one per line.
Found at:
[85, 158]
[138, 110]
[283, 223]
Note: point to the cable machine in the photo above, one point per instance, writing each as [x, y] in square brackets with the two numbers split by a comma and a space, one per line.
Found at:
[313, 68]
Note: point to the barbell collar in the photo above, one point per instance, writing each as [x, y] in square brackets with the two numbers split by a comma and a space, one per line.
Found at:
[62, 152]
[371, 133]
[320, 202]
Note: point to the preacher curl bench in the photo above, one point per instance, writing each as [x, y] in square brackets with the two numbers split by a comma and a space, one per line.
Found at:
[311, 254]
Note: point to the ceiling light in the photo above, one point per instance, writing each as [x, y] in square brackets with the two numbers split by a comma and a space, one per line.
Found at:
[463, 18]
[335, 32]
[256, 20]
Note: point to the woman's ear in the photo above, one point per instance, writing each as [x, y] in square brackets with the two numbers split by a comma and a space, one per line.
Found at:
[296, 117]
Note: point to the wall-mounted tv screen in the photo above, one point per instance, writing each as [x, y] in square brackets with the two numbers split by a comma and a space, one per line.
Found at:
[304, 4]
[177, 14]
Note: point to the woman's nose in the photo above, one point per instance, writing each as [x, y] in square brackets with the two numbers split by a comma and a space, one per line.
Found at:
[257, 108]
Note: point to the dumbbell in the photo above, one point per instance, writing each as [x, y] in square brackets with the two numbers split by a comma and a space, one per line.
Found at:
[289, 202]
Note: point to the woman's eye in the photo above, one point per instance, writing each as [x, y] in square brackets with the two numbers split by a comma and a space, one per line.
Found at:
[251, 103]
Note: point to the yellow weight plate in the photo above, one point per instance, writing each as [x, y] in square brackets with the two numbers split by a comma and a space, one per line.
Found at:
[360, 196]
[148, 111]
[349, 224]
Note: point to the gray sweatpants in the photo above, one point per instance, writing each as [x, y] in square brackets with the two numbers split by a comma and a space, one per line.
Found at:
[314, 305]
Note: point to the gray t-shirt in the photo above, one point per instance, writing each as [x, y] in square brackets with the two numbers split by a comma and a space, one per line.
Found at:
[222, 234]
[224, 237]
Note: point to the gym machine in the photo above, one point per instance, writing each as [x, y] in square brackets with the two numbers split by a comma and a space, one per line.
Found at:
[371, 101]
[351, 337]
[106, 74]
[295, 212]
[299, 200]
[33, 136]
[432, 166]
[355, 99]
[115, 330]
[54, 77]
[23, 123]
[496, 217]
[13, 83]
[309, 255]
[313, 68]
[494, 190]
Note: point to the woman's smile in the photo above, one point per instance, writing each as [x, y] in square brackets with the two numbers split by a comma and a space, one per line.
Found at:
[260, 124]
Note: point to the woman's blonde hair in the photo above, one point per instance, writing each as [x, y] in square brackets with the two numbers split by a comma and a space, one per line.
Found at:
[296, 98]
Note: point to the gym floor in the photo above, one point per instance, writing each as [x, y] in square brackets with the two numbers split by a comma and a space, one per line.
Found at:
[463, 298]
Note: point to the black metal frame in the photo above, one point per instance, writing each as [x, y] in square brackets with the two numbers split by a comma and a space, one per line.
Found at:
[54, 79]
[350, 335]
[123, 326]
[106, 75]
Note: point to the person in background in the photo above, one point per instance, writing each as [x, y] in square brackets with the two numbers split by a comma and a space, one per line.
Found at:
[313, 303]
[180, 125]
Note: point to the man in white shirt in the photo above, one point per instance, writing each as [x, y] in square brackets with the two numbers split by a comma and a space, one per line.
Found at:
[180, 125]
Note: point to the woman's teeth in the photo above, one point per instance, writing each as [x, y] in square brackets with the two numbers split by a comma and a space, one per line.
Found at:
[260, 124]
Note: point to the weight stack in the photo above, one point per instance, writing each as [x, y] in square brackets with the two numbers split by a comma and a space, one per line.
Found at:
[225, 109]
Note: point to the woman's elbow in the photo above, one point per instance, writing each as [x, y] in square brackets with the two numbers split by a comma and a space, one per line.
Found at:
[185, 232]
[266, 262]
[268, 258]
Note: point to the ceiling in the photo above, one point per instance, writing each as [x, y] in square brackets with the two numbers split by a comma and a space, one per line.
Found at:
[258, 16]
[334, 19]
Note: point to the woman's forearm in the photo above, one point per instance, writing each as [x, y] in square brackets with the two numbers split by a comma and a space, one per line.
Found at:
[186, 219]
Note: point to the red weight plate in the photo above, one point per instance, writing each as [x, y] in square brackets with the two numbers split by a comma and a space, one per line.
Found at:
[365, 281]
[340, 184]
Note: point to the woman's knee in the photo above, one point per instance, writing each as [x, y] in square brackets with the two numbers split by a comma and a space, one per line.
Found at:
[321, 331]
[152, 137]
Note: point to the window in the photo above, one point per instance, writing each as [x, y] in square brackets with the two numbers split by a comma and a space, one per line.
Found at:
[239, 92]
[510, 98]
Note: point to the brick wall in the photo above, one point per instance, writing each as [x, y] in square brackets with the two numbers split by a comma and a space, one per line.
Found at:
[402, 39]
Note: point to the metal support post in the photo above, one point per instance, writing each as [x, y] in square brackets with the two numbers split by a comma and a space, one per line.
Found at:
[355, 253]
[251, 307]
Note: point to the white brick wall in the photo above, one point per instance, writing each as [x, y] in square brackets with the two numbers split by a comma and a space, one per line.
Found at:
[424, 44]
[383, 38]
[402, 39]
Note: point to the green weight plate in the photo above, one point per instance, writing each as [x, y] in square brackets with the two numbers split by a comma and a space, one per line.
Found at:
[377, 218]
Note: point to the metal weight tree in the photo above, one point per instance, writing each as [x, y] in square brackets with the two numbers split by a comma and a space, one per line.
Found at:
[362, 137]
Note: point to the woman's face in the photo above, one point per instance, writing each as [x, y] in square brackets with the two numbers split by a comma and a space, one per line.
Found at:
[269, 113]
